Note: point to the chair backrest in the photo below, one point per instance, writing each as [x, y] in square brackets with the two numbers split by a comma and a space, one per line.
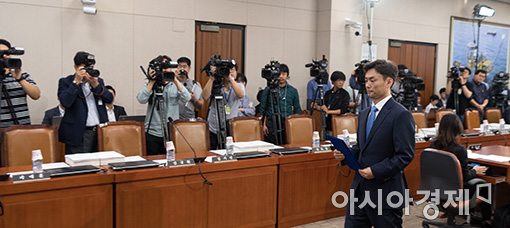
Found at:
[419, 119]
[443, 112]
[246, 128]
[125, 137]
[472, 119]
[341, 122]
[137, 118]
[493, 115]
[186, 133]
[440, 170]
[431, 117]
[20, 140]
[299, 129]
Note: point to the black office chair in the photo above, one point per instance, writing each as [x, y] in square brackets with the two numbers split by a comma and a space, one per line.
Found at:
[441, 170]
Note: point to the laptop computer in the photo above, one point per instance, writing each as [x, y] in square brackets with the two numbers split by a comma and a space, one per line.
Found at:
[138, 118]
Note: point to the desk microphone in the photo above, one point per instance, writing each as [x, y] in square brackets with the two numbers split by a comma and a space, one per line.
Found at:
[195, 158]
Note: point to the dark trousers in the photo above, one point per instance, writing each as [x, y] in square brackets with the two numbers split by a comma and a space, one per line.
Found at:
[272, 128]
[213, 138]
[89, 143]
[155, 145]
[367, 216]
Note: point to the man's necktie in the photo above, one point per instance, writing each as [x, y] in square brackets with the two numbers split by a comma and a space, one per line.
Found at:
[370, 121]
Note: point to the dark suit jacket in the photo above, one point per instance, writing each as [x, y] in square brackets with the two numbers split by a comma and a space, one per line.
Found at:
[49, 114]
[388, 149]
[119, 111]
[75, 118]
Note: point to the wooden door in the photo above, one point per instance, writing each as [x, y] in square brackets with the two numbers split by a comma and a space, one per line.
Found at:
[214, 38]
[420, 58]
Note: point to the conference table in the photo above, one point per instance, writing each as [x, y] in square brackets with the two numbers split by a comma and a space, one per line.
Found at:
[279, 190]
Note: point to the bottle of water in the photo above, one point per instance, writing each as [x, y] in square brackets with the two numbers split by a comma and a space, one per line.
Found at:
[170, 152]
[37, 161]
[316, 141]
[501, 125]
[485, 127]
[229, 145]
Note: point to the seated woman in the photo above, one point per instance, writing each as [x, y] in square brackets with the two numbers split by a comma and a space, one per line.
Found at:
[447, 139]
[246, 107]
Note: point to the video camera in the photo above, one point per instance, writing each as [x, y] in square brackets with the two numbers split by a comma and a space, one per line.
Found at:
[359, 73]
[220, 71]
[159, 65]
[499, 91]
[11, 63]
[456, 72]
[410, 81]
[318, 69]
[222, 66]
[271, 72]
[410, 84]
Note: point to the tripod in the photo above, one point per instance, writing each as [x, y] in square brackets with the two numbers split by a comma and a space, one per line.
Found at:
[221, 117]
[7, 99]
[319, 95]
[276, 117]
[160, 105]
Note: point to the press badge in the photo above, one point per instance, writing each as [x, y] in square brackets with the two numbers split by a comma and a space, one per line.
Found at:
[227, 109]
[100, 102]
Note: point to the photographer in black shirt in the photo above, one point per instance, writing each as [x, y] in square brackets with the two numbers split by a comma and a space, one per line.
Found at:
[336, 100]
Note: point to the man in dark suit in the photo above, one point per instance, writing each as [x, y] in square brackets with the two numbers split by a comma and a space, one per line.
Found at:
[52, 112]
[84, 96]
[114, 111]
[385, 146]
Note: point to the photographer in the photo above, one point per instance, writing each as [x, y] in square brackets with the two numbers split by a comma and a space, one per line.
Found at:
[357, 82]
[232, 93]
[171, 91]
[289, 104]
[15, 88]
[187, 109]
[480, 97]
[336, 100]
[457, 83]
[83, 96]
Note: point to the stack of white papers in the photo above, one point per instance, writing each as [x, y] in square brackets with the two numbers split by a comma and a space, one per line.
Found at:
[490, 157]
[252, 146]
[96, 159]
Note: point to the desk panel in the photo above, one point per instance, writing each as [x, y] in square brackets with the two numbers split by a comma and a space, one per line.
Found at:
[306, 184]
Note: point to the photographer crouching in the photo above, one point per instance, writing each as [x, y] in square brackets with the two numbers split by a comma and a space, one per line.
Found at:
[15, 86]
[162, 92]
[223, 93]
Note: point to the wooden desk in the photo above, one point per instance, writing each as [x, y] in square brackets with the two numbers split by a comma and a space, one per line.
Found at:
[242, 193]
[306, 183]
[501, 169]
[74, 201]
[412, 171]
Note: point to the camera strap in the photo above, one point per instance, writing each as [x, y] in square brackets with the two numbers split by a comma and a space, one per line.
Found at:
[9, 104]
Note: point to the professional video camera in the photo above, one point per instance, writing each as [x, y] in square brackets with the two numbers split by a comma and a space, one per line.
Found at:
[499, 90]
[159, 65]
[359, 73]
[11, 63]
[456, 72]
[219, 69]
[410, 84]
[318, 69]
[271, 72]
[222, 66]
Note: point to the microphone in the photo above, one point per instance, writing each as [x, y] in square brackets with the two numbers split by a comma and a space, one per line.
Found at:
[206, 181]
